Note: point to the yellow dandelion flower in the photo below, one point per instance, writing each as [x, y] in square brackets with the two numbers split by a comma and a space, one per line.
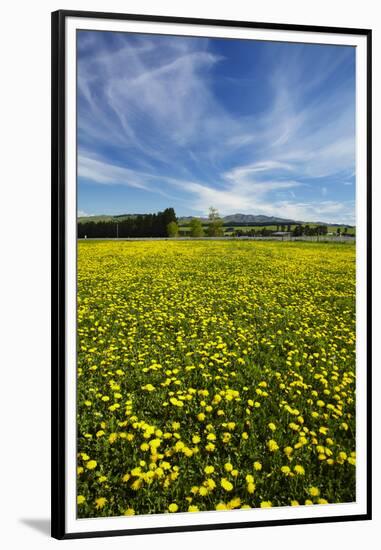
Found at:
[234, 503]
[136, 485]
[100, 502]
[226, 484]
[113, 437]
[266, 504]
[251, 488]
[314, 491]
[288, 451]
[272, 445]
[210, 483]
[193, 508]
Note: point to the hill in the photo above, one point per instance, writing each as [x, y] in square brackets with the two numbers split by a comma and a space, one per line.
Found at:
[232, 219]
[259, 219]
[243, 219]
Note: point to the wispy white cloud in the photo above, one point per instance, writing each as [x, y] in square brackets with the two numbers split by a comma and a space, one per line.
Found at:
[170, 133]
[229, 198]
[143, 97]
[105, 173]
[100, 172]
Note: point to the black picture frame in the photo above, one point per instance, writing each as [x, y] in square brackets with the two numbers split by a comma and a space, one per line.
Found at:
[58, 248]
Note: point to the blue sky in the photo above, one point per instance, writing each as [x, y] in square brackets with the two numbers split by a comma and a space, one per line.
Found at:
[244, 126]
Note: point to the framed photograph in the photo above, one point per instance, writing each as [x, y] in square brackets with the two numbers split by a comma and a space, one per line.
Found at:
[211, 252]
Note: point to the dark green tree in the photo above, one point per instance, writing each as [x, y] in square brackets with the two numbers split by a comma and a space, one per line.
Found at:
[134, 225]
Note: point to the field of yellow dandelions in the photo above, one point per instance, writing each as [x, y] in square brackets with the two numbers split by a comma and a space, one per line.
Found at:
[214, 375]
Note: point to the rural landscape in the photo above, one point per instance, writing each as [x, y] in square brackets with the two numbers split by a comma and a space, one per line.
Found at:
[216, 275]
[166, 224]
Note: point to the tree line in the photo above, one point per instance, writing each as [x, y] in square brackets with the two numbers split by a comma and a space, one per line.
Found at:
[140, 225]
[297, 231]
[162, 224]
[165, 224]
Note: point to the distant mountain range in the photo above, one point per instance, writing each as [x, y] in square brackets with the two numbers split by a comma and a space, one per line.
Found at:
[247, 219]
[234, 219]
